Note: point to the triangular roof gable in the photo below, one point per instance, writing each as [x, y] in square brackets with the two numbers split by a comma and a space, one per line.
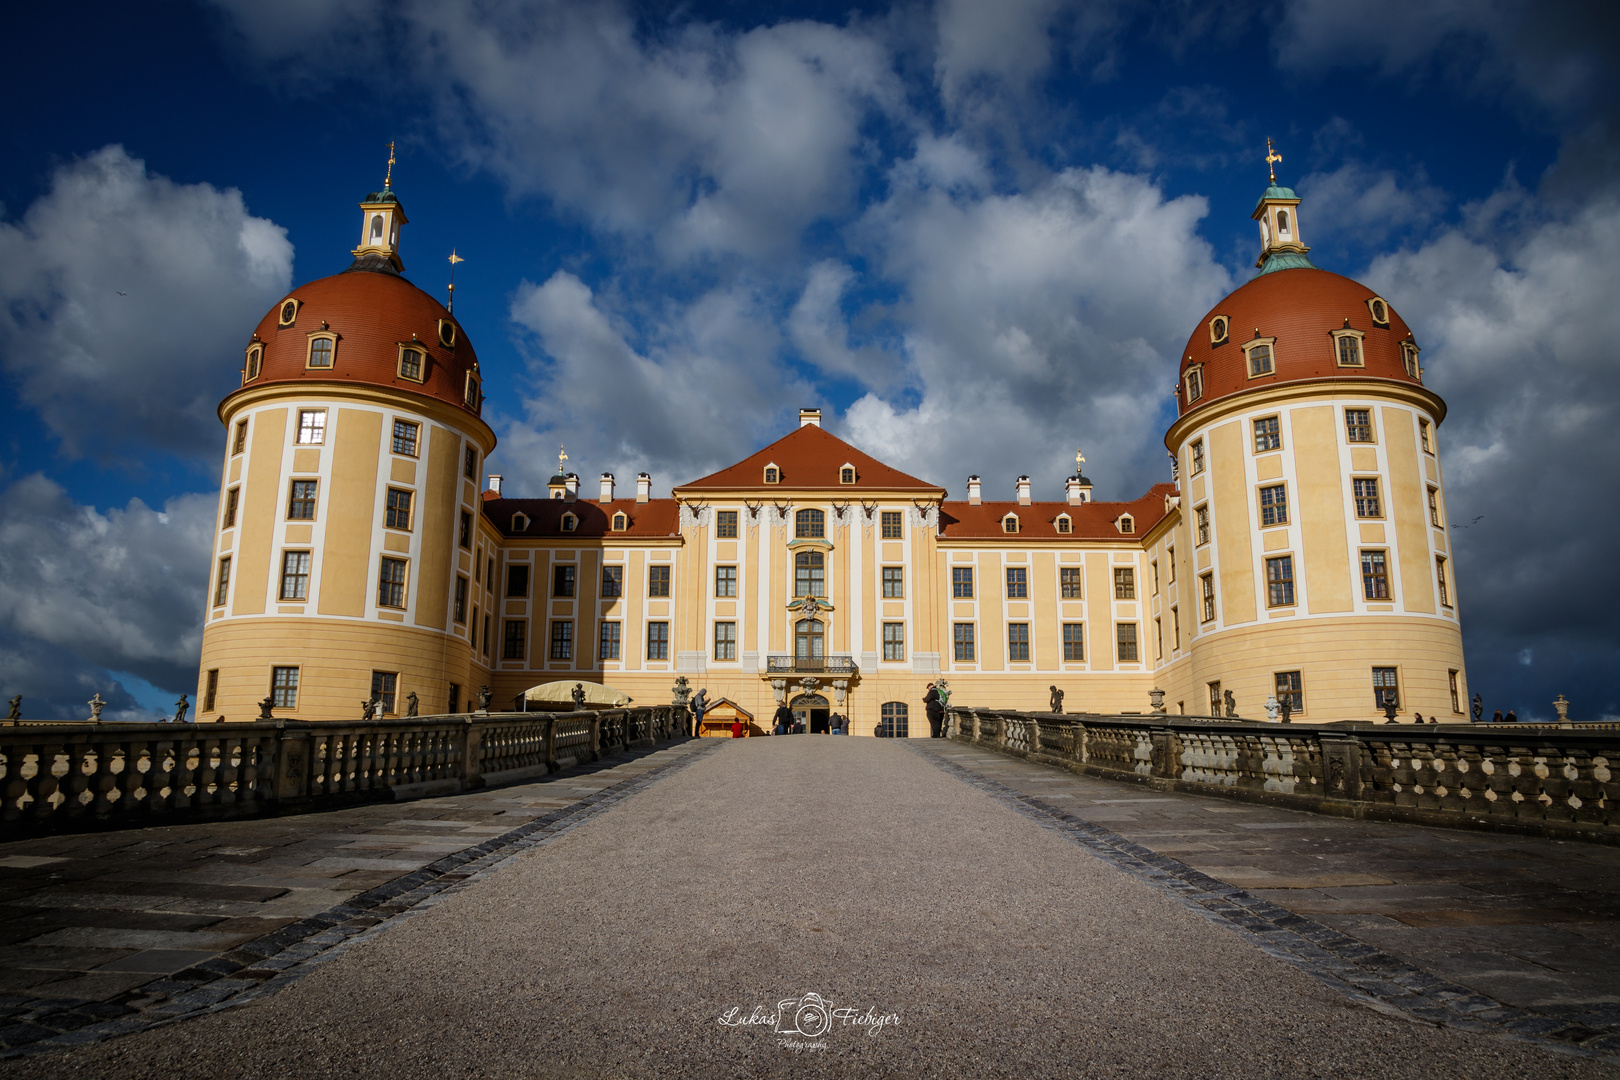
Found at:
[809, 458]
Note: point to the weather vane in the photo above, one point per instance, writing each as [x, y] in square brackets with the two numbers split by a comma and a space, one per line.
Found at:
[454, 258]
[388, 181]
[1272, 157]
[1079, 463]
[562, 459]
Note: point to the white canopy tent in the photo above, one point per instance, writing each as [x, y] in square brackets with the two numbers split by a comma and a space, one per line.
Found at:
[552, 694]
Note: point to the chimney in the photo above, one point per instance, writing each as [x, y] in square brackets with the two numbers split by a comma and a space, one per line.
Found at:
[571, 487]
[607, 488]
[495, 484]
[973, 491]
[1023, 491]
[643, 487]
[1078, 489]
[809, 417]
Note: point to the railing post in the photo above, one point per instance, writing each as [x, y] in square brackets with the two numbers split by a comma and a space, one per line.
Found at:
[596, 736]
[292, 764]
[1082, 742]
[472, 746]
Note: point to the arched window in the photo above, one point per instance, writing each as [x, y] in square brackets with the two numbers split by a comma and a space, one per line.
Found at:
[376, 228]
[893, 724]
[807, 640]
[1282, 223]
[809, 574]
[810, 525]
[621, 521]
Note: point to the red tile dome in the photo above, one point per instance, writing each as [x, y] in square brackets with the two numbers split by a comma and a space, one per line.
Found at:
[373, 312]
[1300, 308]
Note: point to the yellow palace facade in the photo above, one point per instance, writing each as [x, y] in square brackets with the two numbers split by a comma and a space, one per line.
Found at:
[1300, 555]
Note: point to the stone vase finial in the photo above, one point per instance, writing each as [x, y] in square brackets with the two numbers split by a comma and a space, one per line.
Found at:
[96, 705]
[1156, 696]
[1561, 704]
[1273, 706]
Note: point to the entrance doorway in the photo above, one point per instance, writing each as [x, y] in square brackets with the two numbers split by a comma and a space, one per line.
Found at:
[812, 710]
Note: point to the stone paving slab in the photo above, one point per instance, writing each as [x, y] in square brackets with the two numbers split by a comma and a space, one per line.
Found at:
[131, 923]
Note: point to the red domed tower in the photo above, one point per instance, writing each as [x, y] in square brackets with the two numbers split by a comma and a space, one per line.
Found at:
[1312, 560]
[349, 560]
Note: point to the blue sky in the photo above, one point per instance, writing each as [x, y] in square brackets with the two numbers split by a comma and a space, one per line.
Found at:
[976, 234]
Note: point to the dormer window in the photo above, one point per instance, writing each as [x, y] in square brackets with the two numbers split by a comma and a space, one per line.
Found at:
[1195, 383]
[1065, 524]
[1260, 356]
[1009, 524]
[1347, 347]
[520, 522]
[846, 475]
[773, 475]
[470, 395]
[322, 350]
[411, 364]
[255, 361]
[621, 521]
[289, 312]
[1127, 524]
[1379, 311]
[447, 333]
[1219, 329]
[1409, 360]
[569, 523]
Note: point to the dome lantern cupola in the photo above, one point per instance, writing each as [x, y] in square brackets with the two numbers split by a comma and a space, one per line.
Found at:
[1278, 215]
[381, 215]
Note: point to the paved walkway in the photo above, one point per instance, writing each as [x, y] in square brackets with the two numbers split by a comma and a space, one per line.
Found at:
[1010, 934]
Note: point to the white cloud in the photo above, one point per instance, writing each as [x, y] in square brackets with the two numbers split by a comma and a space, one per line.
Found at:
[85, 592]
[1360, 204]
[125, 301]
[820, 332]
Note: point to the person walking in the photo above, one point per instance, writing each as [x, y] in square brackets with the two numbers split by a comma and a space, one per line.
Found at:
[782, 720]
[935, 710]
[699, 706]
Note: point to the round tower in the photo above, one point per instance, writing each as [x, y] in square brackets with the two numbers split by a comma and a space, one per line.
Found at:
[1313, 560]
[349, 501]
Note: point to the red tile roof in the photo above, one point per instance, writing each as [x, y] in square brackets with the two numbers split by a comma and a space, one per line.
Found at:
[1091, 521]
[659, 518]
[1297, 307]
[809, 458]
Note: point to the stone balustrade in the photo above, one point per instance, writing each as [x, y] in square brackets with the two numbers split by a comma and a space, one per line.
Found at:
[69, 776]
[1543, 780]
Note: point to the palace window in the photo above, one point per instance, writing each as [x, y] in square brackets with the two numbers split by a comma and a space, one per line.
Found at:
[295, 575]
[1170, 558]
[1423, 437]
[1074, 642]
[1365, 491]
[397, 515]
[1273, 505]
[234, 496]
[808, 639]
[621, 521]
[1267, 435]
[1349, 350]
[300, 503]
[1409, 360]
[487, 619]
[725, 641]
[1385, 689]
[321, 350]
[1358, 425]
[447, 333]
[846, 475]
[405, 434]
[562, 639]
[1434, 507]
[1009, 524]
[1260, 361]
[608, 642]
[962, 639]
[809, 574]
[564, 580]
[1065, 524]
[1175, 628]
[383, 687]
[894, 718]
[725, 581]
[466, 529]
[284, 687]
[962, 582]
[240, 443]
[612, 582]
[894, 582]
[1017, 583]
[894, 641]
[1451, 678]
[809, 525]
[1158, 639]
[514, 639]
[1290, 688]
[1215, 699]
[725, 524]
[569, 522]
[1280, 581]
[469, 467]
[410, 364]
[1440, 578]
[461, 599]
[1374, 576]
[1126, 524]
[255, 360]
[1218, 330]
[289, 312]
[211, 691]
[1201, 516]
[658, 581]
[391, 583]
[469, 395]
[1018, 642]
[1069, 582]
[1155, 565]
[1206, 592]
[891, 524]
[1125, 636]
[773, 475]
[1124, 583]
[1197, 456]
[1195, 383]
[311, 427]
[222, 584]
[1379, 311]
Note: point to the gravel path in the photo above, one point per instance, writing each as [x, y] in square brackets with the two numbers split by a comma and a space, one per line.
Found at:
[854, 869]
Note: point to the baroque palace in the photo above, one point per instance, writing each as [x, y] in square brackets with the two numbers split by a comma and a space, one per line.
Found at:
[1301, 552]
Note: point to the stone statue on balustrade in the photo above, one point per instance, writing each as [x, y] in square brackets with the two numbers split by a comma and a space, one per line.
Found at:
[181, 707]
[1479, 708]
[96, 705]
[265, 706]
[1057, 700]
[578, 694]
[368, 710]
[1287, 708]
[1230, 703]
[15, 714]
[412, 704]
[484, 697]
[1272, 707]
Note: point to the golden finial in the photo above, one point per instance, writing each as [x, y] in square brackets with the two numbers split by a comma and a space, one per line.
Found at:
[1272, 157]
[388, 181]
[454, 258]
[1079, 463]
[562, 460]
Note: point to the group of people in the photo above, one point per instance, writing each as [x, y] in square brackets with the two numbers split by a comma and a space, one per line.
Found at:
[783, 722]
[934, 702]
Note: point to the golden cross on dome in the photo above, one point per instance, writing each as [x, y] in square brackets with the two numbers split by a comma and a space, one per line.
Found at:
[454, 258]
[1272, 157]
[389, 179]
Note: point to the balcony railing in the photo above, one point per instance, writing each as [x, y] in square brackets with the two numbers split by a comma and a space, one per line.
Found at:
[786, 664]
